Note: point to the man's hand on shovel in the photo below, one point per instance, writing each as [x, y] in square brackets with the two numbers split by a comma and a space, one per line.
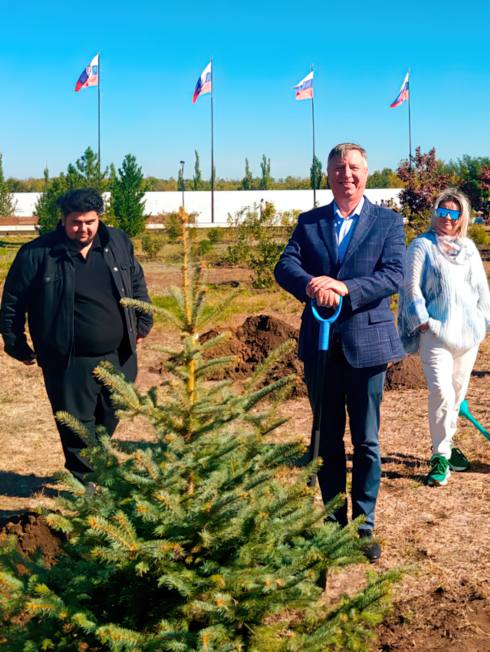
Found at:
[326, 291]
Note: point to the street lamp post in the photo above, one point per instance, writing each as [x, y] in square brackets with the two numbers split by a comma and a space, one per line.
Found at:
[182, 163]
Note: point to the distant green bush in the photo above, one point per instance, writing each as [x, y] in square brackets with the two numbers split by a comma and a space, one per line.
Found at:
[152, 244]
[173, 225]
[205, 247]
[215, 235]
[259, 235]
[478, 234]
[417, 223]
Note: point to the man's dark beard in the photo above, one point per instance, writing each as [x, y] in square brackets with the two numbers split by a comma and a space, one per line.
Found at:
[76, 245]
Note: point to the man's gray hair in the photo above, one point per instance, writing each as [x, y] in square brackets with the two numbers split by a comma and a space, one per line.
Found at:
[341, 150]
[452, 194]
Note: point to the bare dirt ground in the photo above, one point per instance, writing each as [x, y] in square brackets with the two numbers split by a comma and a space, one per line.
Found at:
[440, 535]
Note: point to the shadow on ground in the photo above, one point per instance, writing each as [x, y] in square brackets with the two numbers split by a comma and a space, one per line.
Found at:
[480, 373]
[25, 486]
[479, 467]
[409, 467]
[410, 461]
[128, 447]
[12, 516]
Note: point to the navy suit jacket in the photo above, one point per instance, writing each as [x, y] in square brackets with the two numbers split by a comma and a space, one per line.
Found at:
[372, 269]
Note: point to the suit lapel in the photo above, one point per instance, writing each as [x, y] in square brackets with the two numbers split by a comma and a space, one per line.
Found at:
[327, 232]
[367, 218]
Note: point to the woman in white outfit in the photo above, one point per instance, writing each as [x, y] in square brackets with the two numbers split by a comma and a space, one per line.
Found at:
[445, 314]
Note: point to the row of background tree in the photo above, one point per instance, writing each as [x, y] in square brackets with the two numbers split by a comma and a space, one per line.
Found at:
[385, 178]
[420, 183]
[467, 169]
[125, 209]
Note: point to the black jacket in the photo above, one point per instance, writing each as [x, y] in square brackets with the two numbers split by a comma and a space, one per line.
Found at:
[41, 284]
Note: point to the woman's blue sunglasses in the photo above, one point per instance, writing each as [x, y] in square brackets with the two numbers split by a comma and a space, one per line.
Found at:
[448, 212]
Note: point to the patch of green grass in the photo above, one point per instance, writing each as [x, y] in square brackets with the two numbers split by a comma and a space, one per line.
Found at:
[171, 251]
[9, 246]
[166, 302]
[246, 302]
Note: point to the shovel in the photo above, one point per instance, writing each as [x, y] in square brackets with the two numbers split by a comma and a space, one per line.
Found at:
[464, 411]
[323, 344]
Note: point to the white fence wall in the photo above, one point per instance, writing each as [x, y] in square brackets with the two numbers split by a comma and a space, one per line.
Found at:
[225, 201]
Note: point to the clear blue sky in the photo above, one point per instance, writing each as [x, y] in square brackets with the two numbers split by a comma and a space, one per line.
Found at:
[153, 51]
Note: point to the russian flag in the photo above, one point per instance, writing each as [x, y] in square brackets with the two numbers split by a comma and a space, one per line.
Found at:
[403, 94]
[204, 83]
[304, 90]
[90, 76]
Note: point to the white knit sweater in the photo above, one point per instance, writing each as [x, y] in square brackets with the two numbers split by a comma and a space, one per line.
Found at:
[453, 298]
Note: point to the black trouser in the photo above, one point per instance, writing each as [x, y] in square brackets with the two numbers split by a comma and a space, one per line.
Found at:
[361, 391]
[75, 390]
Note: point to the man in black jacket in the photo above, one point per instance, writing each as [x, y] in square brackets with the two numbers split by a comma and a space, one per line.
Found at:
[69, 282]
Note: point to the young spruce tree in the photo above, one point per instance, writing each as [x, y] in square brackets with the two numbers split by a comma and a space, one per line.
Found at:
[197, 178]
[127, 197]
[47, 209]
[248, 180]
[266, 179]
[209, 540]
[316, 173]
[84, 173]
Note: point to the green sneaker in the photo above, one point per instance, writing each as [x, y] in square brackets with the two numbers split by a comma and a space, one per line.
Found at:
[439, 472]
[458, 460]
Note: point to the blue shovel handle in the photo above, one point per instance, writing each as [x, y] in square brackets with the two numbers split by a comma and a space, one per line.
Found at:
[324, 336]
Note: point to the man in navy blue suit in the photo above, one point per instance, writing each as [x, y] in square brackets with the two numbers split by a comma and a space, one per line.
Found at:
[354, 249]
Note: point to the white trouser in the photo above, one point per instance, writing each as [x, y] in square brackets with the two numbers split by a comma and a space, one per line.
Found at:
[447, 375]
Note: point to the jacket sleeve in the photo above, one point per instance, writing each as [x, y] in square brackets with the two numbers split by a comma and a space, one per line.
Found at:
[14, 306]
[415, 311]
[144, 320]
[387, 276]
[290, 270]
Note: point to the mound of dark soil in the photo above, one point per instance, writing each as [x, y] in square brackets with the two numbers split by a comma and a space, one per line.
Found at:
[259, 335]
[406, 374]
[34, 536]
[251, 343]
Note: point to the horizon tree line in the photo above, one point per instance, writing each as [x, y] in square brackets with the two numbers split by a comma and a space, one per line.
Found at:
[264, 181]
[420, 183]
